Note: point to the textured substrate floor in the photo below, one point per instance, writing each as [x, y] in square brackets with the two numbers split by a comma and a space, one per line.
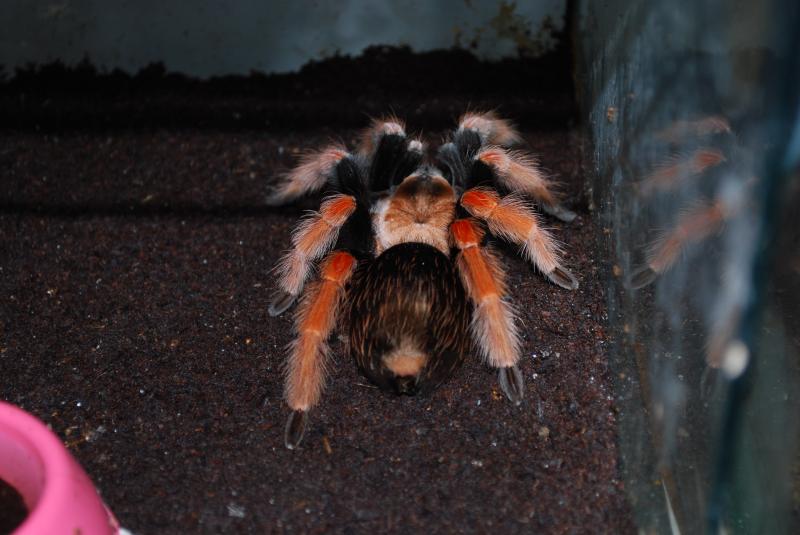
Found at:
[135, 277]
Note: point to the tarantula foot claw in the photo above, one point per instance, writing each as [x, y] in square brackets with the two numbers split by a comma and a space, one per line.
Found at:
[641, 277]
[559, 212]
[512, 384]
[563, 278]
[295, 427]
[275, 197]
[281, 302]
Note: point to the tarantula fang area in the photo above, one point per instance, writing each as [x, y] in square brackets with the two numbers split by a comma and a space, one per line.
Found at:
[400, 247]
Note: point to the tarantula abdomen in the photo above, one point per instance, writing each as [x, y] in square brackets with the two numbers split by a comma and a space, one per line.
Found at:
[409, 319]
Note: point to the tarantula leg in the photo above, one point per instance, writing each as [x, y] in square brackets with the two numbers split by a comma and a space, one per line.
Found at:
[520, 172]
[281, 302]
[295, 428]
[695, 225]
[559, 212]
[512, 219]
[492, 129]
[305, 371]
[641, 277]
[312, 173]
[678, 167]
[493, 325]
[313, 238]
[512, 383]
[388, 126]
[722, 333]
[679, 130]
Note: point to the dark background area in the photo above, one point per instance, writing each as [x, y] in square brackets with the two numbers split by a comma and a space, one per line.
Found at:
[135, 263]
[342, 90]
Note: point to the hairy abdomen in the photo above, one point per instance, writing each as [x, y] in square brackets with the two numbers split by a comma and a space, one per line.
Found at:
[409, 318]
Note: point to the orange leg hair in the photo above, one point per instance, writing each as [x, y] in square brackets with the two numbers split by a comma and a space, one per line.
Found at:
[493, 325]
[679, 167]
[520, 172]
[305, 370]
[695, 225]
[313, 238]
[492, 129]
[680, 130]
[309, 176]
[512, 219]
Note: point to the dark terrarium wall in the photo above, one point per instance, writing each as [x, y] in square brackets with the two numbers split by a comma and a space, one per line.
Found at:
[693, 118]
[211, 38]
[136, 249]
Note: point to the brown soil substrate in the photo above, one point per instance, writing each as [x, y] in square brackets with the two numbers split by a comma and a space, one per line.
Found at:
[135, 282]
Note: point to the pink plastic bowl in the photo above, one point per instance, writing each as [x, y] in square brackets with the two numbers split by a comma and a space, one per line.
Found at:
[58, 494]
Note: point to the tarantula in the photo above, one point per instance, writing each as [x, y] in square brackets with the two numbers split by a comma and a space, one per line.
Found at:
[401, 248]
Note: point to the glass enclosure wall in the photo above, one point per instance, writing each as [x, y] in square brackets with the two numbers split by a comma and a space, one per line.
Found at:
[695, 140]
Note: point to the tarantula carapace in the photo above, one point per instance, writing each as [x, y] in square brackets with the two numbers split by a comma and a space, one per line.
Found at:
[402, 253]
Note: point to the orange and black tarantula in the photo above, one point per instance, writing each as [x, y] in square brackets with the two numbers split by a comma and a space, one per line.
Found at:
[402, 254]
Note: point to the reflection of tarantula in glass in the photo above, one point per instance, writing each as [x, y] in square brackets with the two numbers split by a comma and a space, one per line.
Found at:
[401, 244]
